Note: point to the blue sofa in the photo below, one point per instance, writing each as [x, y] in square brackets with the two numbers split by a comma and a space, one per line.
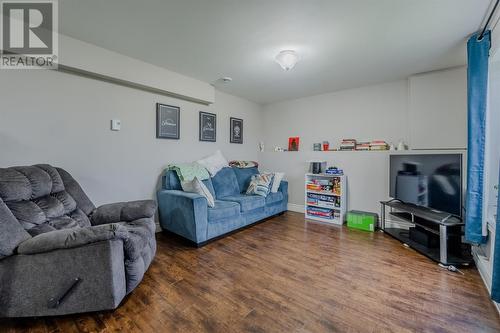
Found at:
[188, 214]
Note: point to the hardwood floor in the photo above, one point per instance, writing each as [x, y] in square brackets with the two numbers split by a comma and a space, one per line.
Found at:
[287, 275]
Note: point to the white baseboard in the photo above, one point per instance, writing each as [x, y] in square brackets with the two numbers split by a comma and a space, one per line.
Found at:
[483, 267]
[296, 208]
[485, 272]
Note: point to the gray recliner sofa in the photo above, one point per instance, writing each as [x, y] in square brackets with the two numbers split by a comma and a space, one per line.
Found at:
[59, 254]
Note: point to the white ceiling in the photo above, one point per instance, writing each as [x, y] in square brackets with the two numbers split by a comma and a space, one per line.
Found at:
[343, 44]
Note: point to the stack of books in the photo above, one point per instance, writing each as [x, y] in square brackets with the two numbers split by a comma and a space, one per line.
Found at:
[314, 187]
[348, 144]
[379, 145]
[320, 212]
[321, 200]
[363, 146]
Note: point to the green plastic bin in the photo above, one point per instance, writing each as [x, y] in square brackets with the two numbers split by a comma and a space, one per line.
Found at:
[357, 219]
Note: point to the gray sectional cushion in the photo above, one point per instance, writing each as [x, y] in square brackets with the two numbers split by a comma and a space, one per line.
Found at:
[73, 188]
[123, 211]
[70, 238]
[37, 197]
[11, 232]
[139, 248]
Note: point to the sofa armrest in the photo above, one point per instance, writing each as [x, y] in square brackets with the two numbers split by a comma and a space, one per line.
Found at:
[283, 187]
[71, 238]
[184, 213]
[123, 212]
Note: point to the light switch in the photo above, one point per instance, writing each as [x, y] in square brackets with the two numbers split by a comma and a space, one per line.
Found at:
[116, 124]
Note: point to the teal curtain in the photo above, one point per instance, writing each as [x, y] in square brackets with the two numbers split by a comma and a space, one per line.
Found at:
[477, 98]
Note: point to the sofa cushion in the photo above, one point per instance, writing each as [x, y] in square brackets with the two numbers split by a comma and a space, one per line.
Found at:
[209, 185]
[274, 198]
[247, 202]
[244, 175]
[225, 183]
[171, 182]
[11, 232]
[223, 209]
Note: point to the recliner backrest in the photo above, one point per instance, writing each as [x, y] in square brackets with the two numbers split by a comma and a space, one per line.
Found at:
[43, 198]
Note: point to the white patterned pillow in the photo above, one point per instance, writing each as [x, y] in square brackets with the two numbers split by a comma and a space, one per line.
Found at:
[197, 186]
[277, 178]
[260, 184]
[214, 163]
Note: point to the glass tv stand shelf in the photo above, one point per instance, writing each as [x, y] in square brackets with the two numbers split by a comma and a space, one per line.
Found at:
[448, 228]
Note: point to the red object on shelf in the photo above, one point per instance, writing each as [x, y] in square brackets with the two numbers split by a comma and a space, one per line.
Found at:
[326, 146]
[293, 143]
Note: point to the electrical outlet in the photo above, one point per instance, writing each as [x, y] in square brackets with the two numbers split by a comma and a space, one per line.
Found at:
[116, 124]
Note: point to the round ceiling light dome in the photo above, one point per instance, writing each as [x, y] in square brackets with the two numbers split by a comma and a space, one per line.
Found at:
[287, 59]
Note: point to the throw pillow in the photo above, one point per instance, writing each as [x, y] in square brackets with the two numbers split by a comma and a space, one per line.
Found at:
[278, 177]
[214, 163]
[260, 184]
[197, 186]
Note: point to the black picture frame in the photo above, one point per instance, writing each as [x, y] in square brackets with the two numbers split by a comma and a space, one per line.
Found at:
[236, 130]
[208, 126]
[168, 121]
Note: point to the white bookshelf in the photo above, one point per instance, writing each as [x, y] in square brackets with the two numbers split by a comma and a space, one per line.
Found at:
[327, 198]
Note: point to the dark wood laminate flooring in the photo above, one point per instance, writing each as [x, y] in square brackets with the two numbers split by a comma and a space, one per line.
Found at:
[288, 275]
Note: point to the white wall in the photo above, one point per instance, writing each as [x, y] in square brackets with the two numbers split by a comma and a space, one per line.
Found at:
[373, 112]
[492, 165]
[64, 119]
[79, 56]
[367, 173]
[438, 109]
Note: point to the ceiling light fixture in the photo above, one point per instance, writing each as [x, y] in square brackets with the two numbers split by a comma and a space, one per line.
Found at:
[287, 59]
[222, 80]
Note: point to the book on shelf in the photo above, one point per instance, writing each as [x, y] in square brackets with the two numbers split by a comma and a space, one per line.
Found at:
[379, 145]
[321, 212]
[379, 148]
[348, 144]
[363, 146]
[321, 197]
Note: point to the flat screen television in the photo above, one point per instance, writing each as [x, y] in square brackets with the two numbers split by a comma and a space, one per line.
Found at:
[428, 180]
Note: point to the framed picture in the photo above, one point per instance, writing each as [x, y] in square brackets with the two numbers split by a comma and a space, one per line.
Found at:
[236, 130]
[293, 143]
[208, 126]
[168, 121]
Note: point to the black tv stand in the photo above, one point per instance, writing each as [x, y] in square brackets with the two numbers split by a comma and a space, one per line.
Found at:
[446, 226]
